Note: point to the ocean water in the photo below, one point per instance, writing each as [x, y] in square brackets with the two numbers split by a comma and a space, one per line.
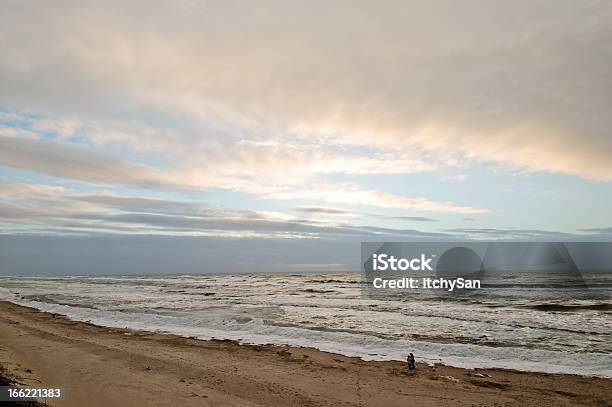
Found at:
[522, 321]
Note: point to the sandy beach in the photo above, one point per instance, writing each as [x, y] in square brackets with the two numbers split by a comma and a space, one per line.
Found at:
[98, 366]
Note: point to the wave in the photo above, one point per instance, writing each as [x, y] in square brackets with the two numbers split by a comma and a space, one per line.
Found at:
[367, 347]
[517, 329]
[569, 308]
[314, 290]
[578, 285]
[328, 281]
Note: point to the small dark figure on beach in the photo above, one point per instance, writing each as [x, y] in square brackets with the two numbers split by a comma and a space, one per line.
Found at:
[411, 362]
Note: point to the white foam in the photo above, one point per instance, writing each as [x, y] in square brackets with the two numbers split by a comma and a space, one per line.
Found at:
[367, 347]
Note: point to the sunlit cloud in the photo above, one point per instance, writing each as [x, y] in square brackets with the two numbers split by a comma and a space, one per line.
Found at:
[353, 194]
[284, 176]
[68, 211]
[412, 80]
[323, 131]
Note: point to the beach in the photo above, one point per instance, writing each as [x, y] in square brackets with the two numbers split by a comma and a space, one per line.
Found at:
[517, 323]
[101, 366]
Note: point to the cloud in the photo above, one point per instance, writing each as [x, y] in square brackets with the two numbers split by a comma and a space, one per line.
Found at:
[65, 160]
[458, 177]
[350, 194]
[10, 190]
[259, 227]
[408, 77]
[190, 99]
[607, 230]
[409, 232]
[219, 156]
[327, 211]
[347, 213]
[63, 211]
[188, 163]
[68, 161]
[140, 204]
[510, 233]
[414, 218]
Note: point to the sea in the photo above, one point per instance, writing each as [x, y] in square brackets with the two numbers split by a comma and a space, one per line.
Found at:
[524, 321]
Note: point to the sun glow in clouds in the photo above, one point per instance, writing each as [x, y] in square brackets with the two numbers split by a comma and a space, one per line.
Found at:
[407, 126]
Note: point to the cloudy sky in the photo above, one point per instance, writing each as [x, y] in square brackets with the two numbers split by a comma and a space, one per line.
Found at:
[298, 127]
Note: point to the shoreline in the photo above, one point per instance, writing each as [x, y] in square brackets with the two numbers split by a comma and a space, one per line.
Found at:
[98, 365]
[456, 353]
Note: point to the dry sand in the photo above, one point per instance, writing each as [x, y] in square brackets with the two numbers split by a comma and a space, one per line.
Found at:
[98, 366]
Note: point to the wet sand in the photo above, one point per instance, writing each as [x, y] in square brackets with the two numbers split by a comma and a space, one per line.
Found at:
[98, 366]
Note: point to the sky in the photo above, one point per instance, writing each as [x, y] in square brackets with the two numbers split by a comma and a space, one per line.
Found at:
[152, 136]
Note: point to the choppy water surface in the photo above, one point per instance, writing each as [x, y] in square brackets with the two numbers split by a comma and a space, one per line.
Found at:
[522, 321]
